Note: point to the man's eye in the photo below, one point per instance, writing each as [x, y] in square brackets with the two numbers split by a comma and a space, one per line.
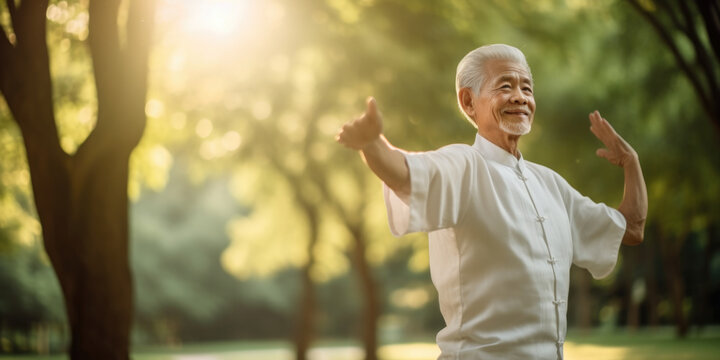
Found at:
[528, 90]
[506, 86]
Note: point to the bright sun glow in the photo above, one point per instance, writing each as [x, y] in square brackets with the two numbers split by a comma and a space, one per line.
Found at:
[216, 17]
[219, 21]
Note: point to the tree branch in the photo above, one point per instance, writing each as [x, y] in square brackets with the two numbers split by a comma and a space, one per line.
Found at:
[30, 29]
[104, 43]
[141, 15]
[120, 74]
[673, 16]
[26, 81]
[28, 20]
[710, 12]
[667, 39]
[700, 51]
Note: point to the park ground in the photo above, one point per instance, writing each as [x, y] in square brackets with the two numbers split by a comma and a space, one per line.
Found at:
[655, 344]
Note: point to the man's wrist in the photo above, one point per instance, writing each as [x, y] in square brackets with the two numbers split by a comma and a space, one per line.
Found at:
[373, 145]
[631, 161]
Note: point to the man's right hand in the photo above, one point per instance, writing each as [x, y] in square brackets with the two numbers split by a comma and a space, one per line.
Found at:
[386, 161]
[361, 132]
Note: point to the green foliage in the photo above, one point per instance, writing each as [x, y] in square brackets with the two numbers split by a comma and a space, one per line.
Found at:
[239, 145]
[182, 289]
[27, 274]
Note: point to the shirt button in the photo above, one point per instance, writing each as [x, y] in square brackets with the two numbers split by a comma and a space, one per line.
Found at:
[552, 261]
[558, 302]
[540, 218]
[560, 342]
[521, 177]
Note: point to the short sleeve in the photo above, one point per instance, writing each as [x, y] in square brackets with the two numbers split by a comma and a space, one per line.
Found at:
[440, 184]
[597, 232]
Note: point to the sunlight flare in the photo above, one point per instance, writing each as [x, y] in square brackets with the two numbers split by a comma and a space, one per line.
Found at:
[216, 17]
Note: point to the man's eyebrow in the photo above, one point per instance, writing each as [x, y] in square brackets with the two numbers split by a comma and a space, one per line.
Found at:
[523, 79]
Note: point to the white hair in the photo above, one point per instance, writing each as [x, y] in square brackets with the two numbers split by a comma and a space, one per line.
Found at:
[471, 69]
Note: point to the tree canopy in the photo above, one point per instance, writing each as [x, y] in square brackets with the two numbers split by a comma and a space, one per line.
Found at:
[237, 186]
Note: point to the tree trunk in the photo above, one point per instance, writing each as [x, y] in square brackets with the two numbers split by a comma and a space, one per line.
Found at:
[97, 282]
[305, 331]
[677, 288]
[582, 301]
[81, 200]
[649, 256]
[83, 209]
[705, 278]
[632, 305]
[676, 285]
[371, 310]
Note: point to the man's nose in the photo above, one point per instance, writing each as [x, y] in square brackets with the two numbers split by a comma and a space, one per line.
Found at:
[518, 97]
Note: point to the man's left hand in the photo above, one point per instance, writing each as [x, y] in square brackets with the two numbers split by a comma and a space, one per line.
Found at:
[616, 150]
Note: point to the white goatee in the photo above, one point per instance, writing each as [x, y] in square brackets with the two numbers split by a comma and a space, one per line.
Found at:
[515, 128]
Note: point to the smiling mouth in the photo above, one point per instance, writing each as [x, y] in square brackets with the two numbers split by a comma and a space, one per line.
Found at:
[517, 112]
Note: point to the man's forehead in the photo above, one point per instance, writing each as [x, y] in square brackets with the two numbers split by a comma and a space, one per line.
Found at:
[500, 70]
[512, 75]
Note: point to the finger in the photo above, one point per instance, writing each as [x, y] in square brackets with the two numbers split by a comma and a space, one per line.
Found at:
[603, 153]
[599, 122]
[345, 131]
[594, 124]
[609, 127]
[601, 128]
[593, 121]
[594, 118]
[604, 124]
[371, 106]
[351, 125]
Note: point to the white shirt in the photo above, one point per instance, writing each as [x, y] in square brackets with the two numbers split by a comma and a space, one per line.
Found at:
[503, 233]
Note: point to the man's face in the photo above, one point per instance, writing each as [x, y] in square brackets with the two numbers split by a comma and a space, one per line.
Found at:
[505, 101]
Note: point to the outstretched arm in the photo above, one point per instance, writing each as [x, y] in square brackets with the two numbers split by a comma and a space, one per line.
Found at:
[386, 161]
[634, 205]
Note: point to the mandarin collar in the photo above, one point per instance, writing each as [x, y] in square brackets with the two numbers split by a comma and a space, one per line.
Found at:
[497, 154]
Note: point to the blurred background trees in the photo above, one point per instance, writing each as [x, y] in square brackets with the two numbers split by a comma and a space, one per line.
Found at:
[80, 194]
[249, 222]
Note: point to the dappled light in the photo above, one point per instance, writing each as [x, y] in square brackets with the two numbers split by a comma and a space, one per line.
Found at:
[260, 247]
[594, 352]
[250, 233]
[413, 298]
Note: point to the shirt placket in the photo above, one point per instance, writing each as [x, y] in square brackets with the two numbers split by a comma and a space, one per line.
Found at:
[551, 260]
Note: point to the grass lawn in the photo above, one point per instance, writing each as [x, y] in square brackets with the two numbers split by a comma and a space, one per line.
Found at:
[655, 344]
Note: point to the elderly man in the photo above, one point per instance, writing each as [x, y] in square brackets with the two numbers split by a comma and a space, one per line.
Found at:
[503, 231]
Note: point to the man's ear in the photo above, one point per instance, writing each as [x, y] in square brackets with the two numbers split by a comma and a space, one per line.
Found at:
[465, 95]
